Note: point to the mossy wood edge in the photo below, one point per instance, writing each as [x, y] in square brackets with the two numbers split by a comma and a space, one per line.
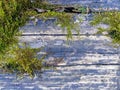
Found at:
[15, 13]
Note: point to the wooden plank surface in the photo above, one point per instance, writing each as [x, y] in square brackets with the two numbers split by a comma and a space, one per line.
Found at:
[90, 62]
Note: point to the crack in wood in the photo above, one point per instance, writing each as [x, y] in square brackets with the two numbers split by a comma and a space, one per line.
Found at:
[63, 34]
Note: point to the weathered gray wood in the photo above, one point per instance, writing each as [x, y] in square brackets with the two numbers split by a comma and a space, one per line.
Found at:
[90, 62]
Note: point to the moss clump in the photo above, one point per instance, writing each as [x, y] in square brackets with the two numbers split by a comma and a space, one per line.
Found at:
[12, 57]
[113, 20]
[20, 60]
[13, 14]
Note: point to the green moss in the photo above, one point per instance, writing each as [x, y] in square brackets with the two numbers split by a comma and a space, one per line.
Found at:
[12, 58]
[1, 11]
[12, 17]
[113, 20]
[14, 14]
[21, 60]
[65, 20]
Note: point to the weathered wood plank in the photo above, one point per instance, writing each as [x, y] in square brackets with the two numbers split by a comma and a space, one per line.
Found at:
[75, 77]
[90, 61]
[49, 27]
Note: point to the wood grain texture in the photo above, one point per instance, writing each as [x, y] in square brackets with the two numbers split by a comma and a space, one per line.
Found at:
[89, 62]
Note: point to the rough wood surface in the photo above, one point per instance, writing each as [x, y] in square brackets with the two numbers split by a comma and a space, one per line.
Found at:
[90, 62]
